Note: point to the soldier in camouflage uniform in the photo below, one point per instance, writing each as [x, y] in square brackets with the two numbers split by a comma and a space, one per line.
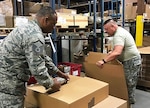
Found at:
[22, 54]
[125, 50]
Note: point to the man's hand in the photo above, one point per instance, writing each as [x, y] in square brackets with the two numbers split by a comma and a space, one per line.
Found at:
[56, 85]
[63, 75]
[100, 63]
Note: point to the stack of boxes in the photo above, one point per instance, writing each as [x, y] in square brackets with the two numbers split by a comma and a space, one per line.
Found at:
[8, 20]
[79, 92]
[69, 17]
[100, 88]
[135, 7]
[66, 17]
[6, 14]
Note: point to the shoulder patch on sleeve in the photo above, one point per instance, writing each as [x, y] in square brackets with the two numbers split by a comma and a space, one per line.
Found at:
[38, 47]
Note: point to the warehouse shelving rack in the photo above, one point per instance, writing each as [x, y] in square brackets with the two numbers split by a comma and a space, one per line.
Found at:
[100, 3]
[95, 3]
[54, 37]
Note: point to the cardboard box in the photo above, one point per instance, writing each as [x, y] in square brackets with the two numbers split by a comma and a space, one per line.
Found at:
[6, 14]
[68, 11]
[140, 7]
[146, 14]
[81, 21]
[2, 20]
[130, 11]
[130, 1]
[111, 73]
[21, 20]
[36, 6]
[6, 21]
[144, 50]
[9, 21]
[65, 20]
[6, 7]
[29, 7]
[79, 92]
[112, 102]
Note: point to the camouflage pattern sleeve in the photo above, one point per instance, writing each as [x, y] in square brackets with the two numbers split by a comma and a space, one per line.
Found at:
[35, 55]
[52, 68]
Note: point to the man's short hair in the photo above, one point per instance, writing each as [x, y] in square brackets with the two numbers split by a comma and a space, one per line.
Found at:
[46, 10]
[107, 21]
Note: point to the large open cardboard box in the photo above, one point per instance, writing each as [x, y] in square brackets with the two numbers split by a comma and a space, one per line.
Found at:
[79, 92]
[111, 73]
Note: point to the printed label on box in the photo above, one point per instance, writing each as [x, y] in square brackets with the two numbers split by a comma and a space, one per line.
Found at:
[61, 20]
[67, 69]
[2, 20]
[75, 72]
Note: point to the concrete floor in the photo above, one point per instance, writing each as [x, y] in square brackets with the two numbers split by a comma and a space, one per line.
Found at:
[142, 99]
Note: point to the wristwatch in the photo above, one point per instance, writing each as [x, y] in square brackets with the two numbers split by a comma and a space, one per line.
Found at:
[104, 61]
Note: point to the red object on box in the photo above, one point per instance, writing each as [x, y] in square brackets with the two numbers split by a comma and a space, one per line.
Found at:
[75, 68]
[32, 80]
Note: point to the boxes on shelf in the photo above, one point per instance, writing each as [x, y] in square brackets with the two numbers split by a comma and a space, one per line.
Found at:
[81, 21]
[6, 7]
[64, 20]
[6, 14]
[21, 20]
[27, 6]
[79, 92]
[6, 21]
[70, 68]
[131, 1]
[130, 11]
[146, 14]
[68, 11]
[30, 7]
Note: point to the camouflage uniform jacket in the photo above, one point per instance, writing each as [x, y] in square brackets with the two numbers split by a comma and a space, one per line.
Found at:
[22, 54]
